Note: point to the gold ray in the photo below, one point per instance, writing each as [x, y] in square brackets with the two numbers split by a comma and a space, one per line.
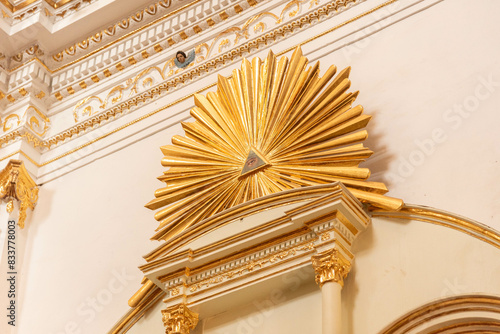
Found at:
[322, 115]
[341, 141]
[227, 98]
[347, 172]
[180, 152]
[276, 82]
[208, 114]
[320, 136]
[356, 151]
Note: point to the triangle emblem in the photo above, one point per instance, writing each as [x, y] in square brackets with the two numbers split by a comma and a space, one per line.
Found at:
[255, 161]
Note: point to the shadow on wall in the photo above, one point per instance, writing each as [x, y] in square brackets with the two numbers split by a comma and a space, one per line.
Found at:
[379, 162]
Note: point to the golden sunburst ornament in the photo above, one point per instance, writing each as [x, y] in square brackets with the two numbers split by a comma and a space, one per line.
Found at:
[273, 126]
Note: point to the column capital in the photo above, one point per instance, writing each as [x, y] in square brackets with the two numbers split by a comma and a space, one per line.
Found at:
[178, 319]
[330, 266]
[16, 184]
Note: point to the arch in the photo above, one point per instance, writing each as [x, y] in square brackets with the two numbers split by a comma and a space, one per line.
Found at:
[457, 314]
[446, 219]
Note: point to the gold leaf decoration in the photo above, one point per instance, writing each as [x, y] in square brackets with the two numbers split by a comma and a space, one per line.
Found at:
[274, 125]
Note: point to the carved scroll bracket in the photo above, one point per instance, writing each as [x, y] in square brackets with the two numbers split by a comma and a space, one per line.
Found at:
[16, 184]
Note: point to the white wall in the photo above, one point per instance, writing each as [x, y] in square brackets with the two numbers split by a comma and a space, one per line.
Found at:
[91, 222]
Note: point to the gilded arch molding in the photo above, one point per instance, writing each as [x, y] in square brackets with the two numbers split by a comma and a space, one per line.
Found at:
[446, 219]
[458, 314]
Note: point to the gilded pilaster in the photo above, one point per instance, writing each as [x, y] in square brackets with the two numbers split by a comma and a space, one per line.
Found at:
[179, 319]
[330, 266]
[16, 184]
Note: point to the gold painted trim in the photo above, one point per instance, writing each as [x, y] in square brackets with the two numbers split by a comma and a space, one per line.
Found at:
[446, 219]
[464, 328]
[441, 309]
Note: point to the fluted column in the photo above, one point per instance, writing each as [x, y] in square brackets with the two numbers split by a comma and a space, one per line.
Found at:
[331, 268]
[178, 319]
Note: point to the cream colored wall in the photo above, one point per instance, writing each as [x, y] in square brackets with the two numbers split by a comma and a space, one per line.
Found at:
[90, 223]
